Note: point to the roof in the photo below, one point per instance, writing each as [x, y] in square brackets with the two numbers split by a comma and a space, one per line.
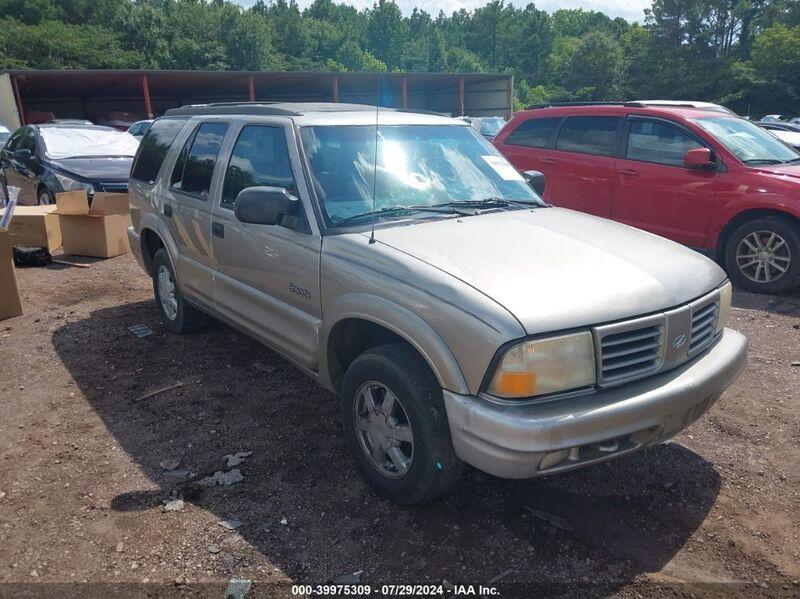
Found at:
[318, 113]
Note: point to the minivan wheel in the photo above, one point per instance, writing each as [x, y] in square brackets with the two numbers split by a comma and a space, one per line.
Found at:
[45, 197]
[763, 255]
[176, 314]
[396, 425]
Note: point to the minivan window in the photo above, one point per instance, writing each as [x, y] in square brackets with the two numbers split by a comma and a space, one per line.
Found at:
[749, 142]
[589, 135]
[260, 157]
[197, 161]
[661, 143]
[154, 147]
[534, 133]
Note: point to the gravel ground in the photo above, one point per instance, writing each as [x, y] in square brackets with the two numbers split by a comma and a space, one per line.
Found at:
[85, 479]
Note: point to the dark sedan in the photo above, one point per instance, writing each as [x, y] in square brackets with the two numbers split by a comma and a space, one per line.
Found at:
[43, 160]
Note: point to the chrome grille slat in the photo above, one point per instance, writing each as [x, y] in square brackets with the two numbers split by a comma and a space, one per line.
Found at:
[636, 359]
[610, 341]
[609, 355]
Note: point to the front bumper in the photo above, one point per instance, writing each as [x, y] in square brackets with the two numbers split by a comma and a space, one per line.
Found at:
[522, 441]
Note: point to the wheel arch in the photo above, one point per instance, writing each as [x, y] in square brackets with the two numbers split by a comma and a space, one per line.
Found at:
[358, 322]
[153, 235]
[746, 215]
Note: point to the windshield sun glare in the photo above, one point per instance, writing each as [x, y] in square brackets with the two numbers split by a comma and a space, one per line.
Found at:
[418, 166]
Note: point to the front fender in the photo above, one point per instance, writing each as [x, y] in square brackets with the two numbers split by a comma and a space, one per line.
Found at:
[402, 322]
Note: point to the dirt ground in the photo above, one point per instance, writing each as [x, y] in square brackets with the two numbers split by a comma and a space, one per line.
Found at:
[83, 487]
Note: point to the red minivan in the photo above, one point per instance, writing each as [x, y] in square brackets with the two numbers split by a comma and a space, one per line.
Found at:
[695, 173]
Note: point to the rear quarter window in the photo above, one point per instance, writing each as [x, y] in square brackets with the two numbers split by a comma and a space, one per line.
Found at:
[595, 135]
[195, 166]
[154, 147]
[534, 133]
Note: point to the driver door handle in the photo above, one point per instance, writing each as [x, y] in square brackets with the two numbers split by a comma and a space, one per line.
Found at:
[217, 230]
[630, 172]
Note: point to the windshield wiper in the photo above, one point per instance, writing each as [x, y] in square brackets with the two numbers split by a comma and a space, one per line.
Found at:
[490, 202]
[763, 161]
[792, 161]
[400, 210]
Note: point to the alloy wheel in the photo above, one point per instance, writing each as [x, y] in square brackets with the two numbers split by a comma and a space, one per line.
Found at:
[763, 256]
[383, 429]
[167, 293]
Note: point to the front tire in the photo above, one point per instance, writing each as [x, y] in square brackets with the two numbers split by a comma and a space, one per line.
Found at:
[45, 197]
[176, 313]
[763, 255]
[396, 425]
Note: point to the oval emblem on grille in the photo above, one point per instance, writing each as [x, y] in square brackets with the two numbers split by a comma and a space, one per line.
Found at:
[678, 342]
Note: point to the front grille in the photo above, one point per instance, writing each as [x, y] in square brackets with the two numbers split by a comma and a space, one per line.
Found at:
[630, 354]
[704, 326]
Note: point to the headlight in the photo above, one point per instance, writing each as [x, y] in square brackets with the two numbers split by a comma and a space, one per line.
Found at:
[68, 184]
[725, 293]
[545, 366]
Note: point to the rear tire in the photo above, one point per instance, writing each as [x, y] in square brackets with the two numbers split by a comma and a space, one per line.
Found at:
[763, 255]
[406, 454]
[176, 313]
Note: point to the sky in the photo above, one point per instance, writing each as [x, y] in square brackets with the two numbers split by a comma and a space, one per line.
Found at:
[628, 9]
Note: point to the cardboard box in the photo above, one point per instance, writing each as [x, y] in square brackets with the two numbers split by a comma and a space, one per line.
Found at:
[10, 304]
[99, 231]
[35, 226]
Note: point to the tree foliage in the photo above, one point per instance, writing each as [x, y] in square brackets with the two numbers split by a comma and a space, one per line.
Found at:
[745, 53]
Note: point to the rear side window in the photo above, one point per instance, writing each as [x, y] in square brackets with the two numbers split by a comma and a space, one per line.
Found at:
[260, 158]
[534, 133]
[589, 135]
[662, 143]
[154, 148]
[195, 166]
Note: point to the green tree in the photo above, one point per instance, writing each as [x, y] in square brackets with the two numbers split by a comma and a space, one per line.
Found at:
[386, 32]
[596, 67]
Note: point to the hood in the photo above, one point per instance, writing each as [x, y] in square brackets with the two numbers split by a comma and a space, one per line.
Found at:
[96, 168]
[790, 137]
[787, 172]
[555, 269]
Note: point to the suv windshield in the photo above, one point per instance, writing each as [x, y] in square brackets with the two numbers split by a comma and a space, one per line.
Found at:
[751, 144]
[418, 166]
[74, 142]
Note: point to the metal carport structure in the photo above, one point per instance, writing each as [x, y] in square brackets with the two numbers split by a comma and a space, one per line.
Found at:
[117, 96]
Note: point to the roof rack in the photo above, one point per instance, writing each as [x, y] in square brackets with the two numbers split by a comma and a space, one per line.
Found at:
[558, 104]
[638, 104]
[257, 108]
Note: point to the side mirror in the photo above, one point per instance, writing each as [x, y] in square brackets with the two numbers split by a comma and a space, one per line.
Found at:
[535, 179]
[699, 158]
[265, 205]
[23, 154]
